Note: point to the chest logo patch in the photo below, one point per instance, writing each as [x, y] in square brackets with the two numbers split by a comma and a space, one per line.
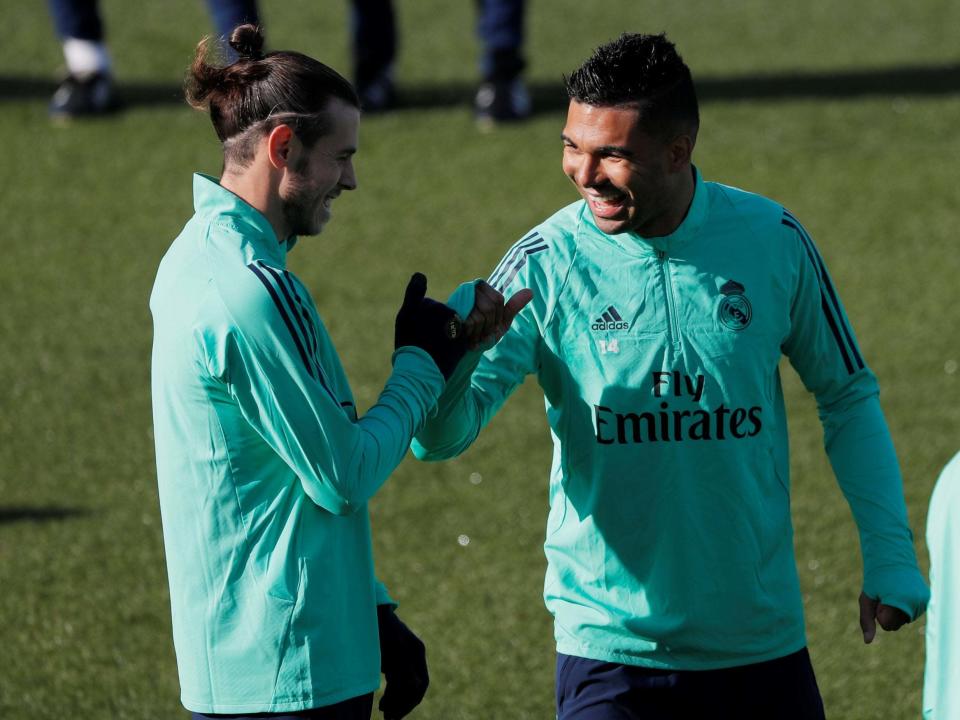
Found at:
[609, 319]
[735, 311]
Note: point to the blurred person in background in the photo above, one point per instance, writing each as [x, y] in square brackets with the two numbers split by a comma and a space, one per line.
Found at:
[662, 307]
[264, 466]
[502, 95]
[941, 684]
[89, 90]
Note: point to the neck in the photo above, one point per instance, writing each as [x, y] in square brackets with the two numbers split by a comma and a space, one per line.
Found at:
[259, 189]
[681, 197]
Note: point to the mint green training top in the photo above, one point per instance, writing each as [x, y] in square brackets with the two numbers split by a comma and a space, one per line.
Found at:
[264, 472]
[669, 539]
[941, 680]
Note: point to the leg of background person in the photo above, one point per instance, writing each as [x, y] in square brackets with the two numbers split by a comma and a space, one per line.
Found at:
[88, 88]
[374, 30]
[502, 95]
[227, 14]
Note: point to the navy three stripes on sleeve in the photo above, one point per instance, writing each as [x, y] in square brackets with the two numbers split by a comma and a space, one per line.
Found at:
[831, 308]
[293, 311]
[515, 259]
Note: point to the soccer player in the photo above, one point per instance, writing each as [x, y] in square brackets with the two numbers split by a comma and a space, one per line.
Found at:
[662, 306]
[941, 683]
[264, 467]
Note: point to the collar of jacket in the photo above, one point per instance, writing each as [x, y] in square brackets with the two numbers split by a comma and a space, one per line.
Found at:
[221, 206]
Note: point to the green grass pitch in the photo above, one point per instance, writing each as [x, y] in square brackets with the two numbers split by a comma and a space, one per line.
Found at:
[845, 112]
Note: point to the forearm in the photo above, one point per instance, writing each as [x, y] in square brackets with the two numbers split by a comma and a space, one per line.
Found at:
[456, 422]
[385, 431]
[861, 452]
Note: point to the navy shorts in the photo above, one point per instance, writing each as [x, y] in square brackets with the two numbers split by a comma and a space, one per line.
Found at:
[358, 708]
[785, 689]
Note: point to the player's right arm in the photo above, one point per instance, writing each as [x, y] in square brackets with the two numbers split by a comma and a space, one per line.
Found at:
[268, 359]
[484, 379]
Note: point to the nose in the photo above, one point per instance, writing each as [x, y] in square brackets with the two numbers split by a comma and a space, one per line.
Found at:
[588, 172]
[348, 177]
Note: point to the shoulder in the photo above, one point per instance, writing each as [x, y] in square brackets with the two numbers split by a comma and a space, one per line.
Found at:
[258, 294]
[544, 252]
[748, 206]
[766, 220]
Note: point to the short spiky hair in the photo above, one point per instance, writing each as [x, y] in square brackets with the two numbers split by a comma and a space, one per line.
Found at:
[645, 71]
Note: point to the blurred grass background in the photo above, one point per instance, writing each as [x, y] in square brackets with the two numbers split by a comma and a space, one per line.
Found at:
[845, 112]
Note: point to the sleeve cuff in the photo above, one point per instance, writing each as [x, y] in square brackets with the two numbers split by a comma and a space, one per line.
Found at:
[904, 589]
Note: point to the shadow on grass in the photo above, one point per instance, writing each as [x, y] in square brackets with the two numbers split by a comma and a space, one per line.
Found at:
[550, 97]
[10, 515]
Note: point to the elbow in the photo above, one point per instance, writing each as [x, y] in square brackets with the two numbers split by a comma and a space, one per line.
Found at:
[343, 506]
[333, 500]
[425, 454]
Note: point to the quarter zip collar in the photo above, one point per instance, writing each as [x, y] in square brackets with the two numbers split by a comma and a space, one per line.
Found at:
[636, 244]
[213, 201]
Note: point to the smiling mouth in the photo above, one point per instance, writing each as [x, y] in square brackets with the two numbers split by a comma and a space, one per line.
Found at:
[606, 205]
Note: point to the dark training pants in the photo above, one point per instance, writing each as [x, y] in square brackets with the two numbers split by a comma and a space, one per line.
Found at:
[358, 708]
[80, 19]
[781, 689]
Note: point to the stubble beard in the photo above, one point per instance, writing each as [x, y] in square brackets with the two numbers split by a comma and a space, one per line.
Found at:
[302, 212]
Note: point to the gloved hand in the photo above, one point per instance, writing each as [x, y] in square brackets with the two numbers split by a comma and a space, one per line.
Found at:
[403, 662]
[431, 326]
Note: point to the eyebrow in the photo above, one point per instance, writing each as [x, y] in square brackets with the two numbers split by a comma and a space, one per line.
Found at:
[603, 149]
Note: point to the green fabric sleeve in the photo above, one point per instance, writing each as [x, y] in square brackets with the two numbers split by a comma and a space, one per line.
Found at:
[383, 595]
[341, 463]
[823, 350]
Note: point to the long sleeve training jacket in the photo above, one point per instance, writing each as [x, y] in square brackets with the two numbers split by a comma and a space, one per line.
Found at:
[265, 470]
[669, 539]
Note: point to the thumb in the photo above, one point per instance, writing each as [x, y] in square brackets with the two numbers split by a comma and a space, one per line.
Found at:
[416, 290]
[868, 617]
[516, 303]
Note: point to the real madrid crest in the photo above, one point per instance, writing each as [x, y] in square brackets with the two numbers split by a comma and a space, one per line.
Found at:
[734, 311]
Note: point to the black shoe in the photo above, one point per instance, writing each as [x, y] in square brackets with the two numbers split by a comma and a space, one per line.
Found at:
[84, 96]
[500, 102]
[379, 95]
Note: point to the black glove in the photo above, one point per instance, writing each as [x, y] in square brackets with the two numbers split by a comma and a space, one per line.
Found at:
[431, 326]
[403, 662]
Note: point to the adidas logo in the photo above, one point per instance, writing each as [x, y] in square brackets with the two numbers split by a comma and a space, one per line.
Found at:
[610, 320]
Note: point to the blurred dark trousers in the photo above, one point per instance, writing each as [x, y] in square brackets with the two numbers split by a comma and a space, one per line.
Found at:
[77, 19]
[500, 29]
[781, 689]
[373, 26]
[358, 708]
[499, 26]
[81, 18]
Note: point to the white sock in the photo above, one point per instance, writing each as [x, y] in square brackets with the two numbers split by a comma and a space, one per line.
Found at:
[86, 57]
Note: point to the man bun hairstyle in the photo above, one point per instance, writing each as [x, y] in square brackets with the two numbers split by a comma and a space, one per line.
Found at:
[251, 96]
[643, 71]
[247, 40]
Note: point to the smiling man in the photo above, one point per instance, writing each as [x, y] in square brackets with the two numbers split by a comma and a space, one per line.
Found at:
[662, 306]
[264, 466]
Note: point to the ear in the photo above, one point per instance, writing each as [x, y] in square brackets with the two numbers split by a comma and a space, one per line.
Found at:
[680, 151]
[280, 146]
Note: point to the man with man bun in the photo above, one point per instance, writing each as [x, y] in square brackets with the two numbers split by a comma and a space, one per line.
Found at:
[663, 305]
[264, 466]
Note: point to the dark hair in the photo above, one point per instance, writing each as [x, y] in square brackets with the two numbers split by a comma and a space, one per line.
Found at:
[250, 97]
[645, 71]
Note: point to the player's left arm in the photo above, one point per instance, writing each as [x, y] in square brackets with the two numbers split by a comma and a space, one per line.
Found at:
[822, 348]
